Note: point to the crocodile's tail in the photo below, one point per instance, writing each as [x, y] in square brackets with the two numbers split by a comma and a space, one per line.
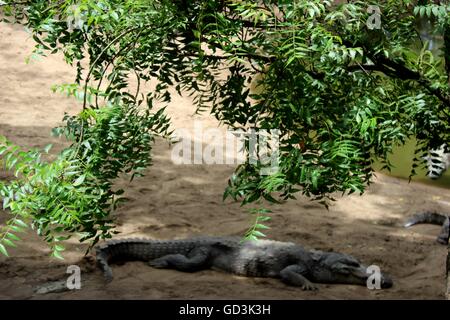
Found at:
[433, 218]
[426, 217]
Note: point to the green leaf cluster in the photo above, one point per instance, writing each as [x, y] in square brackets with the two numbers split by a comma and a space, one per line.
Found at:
[340, 94]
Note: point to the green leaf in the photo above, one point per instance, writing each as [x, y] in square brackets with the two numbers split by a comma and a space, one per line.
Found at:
[264, 218]
[251, 237]
[15, 228]
[59, 248]
[57, 255]
[79, 180]
[422, 11]
[436, 11]
[12, 236]
[47, 148]
[3, 250]
[257, 233]
[20, 223]
[9, 243]
[261, 226]
[5, 202]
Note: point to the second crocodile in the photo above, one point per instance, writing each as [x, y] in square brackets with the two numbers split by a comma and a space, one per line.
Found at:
[433, 218]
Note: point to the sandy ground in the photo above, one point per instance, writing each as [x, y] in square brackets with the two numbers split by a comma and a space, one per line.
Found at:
[176, 201]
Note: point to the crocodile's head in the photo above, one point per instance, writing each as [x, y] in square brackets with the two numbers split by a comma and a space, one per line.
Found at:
[331, 267]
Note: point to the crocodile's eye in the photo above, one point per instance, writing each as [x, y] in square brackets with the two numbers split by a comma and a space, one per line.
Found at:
[353, 263]
[350, 261]
[340, 267]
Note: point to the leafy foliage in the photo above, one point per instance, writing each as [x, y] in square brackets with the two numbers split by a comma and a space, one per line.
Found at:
[254, 232]
[341, 94]
[74, 193]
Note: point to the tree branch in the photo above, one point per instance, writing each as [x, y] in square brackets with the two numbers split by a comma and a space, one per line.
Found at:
[398, 70]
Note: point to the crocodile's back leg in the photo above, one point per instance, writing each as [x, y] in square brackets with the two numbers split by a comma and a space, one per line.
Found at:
[445, 232]
[102, 261]
[197, 259]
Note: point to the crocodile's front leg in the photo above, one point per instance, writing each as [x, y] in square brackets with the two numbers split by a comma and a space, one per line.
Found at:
[292, 275]
[444, 235]
[196, 260]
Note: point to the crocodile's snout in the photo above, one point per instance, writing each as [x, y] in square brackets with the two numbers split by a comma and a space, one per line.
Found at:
[363, 273]
[386, 281]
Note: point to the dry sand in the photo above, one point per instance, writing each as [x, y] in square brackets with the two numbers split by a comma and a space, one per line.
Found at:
[176, 201]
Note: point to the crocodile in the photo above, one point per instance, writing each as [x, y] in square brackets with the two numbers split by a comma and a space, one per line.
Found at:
[432, 218]
[287, 261]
